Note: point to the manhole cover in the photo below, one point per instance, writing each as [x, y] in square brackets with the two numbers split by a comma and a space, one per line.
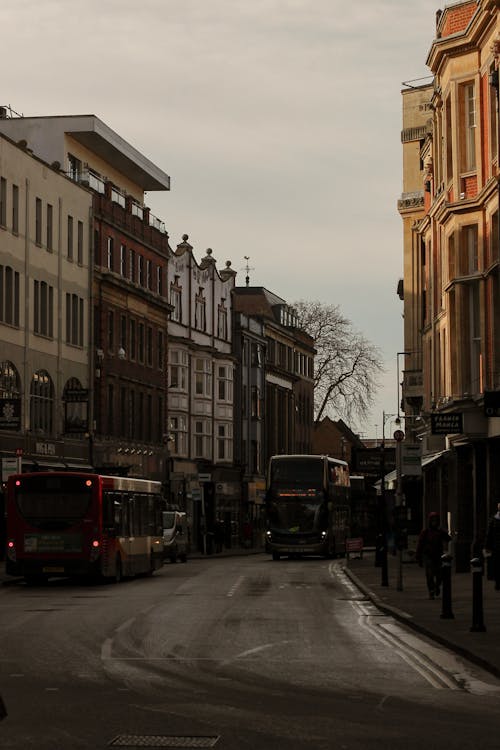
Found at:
[160, 740]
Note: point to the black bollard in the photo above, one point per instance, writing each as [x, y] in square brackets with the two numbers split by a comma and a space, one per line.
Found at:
[477, 596]
[446, 611]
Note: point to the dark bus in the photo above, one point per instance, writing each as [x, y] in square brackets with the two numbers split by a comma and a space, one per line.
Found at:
[79, 524]
[307, 506]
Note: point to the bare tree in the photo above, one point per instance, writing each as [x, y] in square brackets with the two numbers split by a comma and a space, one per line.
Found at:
[347, 365]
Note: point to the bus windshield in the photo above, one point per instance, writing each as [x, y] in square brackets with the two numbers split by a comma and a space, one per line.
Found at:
[297, 515]
[297, 472]
[53, 502]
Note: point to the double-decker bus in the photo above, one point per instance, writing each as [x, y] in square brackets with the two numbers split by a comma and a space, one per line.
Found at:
[307, 506]
[79, 524]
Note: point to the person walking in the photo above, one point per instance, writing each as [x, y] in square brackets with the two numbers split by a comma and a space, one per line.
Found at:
[430, 548]
[492, 546]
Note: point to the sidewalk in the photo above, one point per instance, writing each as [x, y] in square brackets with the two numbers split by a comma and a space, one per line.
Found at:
[412, 606]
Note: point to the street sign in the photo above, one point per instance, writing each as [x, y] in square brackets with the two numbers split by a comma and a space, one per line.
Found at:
[399, 436]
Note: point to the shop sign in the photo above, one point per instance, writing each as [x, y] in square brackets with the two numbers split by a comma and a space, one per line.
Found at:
[447, 424]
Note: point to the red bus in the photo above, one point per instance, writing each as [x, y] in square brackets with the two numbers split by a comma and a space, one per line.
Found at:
[78, 524]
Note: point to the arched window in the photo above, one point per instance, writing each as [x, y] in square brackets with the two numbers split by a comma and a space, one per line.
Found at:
[41, 402]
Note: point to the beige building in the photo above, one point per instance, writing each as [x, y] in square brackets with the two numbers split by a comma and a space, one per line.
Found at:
[44, 311]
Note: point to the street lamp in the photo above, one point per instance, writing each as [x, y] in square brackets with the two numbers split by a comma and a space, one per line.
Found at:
[382, 548]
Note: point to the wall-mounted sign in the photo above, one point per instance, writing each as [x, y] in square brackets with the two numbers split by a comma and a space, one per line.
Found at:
[10, 414]
[447, 424]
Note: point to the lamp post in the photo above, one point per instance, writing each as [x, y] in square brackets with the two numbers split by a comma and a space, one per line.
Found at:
[382, 550]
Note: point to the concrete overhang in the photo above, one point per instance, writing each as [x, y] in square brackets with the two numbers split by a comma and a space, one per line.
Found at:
[92, 133]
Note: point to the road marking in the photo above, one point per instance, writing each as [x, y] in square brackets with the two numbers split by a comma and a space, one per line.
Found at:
[235, 586]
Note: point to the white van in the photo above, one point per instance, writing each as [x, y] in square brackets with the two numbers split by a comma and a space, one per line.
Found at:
[176, 537]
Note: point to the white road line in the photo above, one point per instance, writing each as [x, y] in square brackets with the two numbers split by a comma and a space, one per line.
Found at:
[235, 586]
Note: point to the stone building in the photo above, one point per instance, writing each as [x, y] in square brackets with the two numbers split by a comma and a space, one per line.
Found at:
[451, 301]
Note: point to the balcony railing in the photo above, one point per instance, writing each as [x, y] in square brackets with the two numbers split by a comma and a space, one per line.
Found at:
[156, 223]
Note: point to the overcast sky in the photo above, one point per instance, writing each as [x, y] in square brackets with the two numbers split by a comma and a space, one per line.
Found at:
[278, 122]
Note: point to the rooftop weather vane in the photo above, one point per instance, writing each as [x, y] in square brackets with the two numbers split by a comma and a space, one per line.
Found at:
[247, 269]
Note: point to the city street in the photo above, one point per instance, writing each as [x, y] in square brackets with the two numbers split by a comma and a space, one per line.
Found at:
[232, 653]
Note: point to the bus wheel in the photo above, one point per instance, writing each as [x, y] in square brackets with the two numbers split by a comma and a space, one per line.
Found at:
[118, 570]
[276, 555]
[152, 567]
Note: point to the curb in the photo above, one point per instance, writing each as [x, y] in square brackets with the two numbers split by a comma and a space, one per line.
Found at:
[409, 620]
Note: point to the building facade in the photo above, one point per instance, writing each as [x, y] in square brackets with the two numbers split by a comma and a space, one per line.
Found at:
[451, 280]
[203, 478]
[289, 370]
[45, 331]
[126, 303]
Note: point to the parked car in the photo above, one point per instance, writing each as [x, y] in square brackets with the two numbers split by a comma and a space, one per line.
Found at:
[176, 536]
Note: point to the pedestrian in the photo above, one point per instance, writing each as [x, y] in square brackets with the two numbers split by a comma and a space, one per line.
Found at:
[492, 546]
[430, 548]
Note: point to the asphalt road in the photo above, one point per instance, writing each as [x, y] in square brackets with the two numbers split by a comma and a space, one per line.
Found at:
[234, 653]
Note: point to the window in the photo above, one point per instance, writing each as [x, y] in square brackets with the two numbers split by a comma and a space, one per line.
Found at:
[123, 332]
[178, 369]
[149, 346]
[468, 249]
[449, 141]
[140, 343]
[50, 227]
[467, 127]
[222, 321]
[224, 441]
[159, 279]
[43, 309]
[70, 238]
[176, 300]
[255, 403]
[111, 330]
[3, 201]
[140, 270]
[131, 265]
[132, 340]
[203, 377]
[38, 221]
[9, 296]
[178, 430]
[15, 209]
[41, 403]
[9, 381]
[123, 261]
[225, 383]
[79, 246]
[200, 321]
[74, 168]
[201, 438]
[149, 274]
[111, 410]
[110, 253]
[493, 120]
[161, 350]
[74, 320]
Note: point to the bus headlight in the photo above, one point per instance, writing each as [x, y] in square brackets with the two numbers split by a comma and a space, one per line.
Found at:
[268, 535]
[323, 534]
